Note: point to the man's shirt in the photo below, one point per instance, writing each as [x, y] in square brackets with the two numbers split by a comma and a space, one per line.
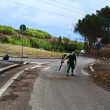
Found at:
[71, 59]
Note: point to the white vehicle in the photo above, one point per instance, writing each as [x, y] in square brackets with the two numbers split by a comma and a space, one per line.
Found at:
[82, 51]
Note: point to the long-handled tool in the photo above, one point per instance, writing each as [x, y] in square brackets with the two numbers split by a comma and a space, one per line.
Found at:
[62, 61]
[61, 64]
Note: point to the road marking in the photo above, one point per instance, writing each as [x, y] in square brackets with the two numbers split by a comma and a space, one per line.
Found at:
[84, 73]
[32, 67]
[40, 62]
[25, 63]
[26, 68]
[92, 68]
[7, 84]
[2, 69]
[35, 67]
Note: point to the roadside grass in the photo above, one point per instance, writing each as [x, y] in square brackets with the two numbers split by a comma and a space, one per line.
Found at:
[15, 51]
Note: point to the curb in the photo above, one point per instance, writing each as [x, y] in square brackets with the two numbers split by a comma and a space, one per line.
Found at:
[12, 79]
[8, 68]
[4, 69]
[90, 65]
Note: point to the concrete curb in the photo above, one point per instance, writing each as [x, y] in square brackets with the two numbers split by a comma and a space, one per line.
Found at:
[4, 69]
[8, 68]
[91, 66]
[12, 79]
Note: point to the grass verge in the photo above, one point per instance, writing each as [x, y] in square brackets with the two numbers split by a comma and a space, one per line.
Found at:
[14, 50]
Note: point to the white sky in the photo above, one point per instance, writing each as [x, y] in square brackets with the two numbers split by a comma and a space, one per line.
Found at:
[54, 16]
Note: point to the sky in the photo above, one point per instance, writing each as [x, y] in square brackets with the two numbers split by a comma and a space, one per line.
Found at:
[57, 17]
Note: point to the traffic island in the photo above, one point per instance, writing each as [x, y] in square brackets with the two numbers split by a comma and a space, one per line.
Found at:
[101, 74]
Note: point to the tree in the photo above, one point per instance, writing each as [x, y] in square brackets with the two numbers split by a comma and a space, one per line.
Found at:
[59, 40]
[66, 40]
[92, 26]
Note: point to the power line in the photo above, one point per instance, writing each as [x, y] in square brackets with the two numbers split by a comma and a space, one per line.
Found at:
[48, 11]
[62, 7]
[64, 4]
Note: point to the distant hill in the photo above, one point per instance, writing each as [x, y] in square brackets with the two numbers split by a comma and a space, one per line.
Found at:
[37, 39]
[8, 30]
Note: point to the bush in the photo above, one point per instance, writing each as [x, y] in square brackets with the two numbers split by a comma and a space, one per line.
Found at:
[40, 43]
[6, 30]
[18, 41]
[37, 33]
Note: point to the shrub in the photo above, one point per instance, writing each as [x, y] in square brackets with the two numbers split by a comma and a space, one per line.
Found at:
[6, 30]
[18, 41]
[37, 33]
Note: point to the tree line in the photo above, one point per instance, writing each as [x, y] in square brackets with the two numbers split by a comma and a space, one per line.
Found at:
[95, 25]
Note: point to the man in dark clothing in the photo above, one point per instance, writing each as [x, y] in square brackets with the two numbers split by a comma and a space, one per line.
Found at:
[71, 63]
[6, 57]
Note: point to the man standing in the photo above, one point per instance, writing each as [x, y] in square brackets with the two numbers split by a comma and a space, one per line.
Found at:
[71, 63]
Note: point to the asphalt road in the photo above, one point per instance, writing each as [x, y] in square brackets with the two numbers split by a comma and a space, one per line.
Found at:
[53, 91]
[6, 76]
[4, 63]
[31, 60]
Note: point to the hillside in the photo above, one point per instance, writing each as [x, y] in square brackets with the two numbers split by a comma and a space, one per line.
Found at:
[35, 38]
[15, 51]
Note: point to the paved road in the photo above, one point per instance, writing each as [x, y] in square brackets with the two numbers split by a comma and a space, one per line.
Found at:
[33, 60]
[5, 63]
[6, 76]
[53, 91]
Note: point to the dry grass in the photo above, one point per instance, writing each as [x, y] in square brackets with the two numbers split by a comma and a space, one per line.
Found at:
[103, 79]
[103, 75]
[14, 50]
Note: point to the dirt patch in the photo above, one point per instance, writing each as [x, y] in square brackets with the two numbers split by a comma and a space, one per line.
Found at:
[9, 97]
[101, 76]
[103, 79]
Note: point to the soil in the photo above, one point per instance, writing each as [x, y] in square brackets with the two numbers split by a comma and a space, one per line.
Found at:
[101, 76]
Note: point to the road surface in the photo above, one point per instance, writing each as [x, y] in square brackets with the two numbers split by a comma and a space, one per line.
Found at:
[31, 60]
[5, 76]
[53, 91]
